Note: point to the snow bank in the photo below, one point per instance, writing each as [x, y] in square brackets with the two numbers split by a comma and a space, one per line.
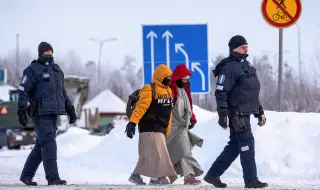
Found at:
[75, 142]
[203, 115]
[4, 92]
[286, 147]
[287, 151]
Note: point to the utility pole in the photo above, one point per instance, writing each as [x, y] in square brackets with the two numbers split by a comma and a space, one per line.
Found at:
[17, 58]
[299, 54]
[101, 43]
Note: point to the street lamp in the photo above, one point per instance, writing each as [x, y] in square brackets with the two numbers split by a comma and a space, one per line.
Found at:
[101, 43]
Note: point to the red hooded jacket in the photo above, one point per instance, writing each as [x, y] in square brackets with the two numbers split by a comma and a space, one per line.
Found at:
[179, 72]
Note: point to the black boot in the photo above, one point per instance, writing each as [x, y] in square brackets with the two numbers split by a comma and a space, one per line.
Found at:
[215, 181]
[57, 182]
[255, 184]
[28, 181]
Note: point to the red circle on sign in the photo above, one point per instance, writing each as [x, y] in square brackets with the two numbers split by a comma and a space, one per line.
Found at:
[280, 25]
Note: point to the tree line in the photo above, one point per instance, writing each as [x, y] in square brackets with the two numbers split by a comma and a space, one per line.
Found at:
[299, 95]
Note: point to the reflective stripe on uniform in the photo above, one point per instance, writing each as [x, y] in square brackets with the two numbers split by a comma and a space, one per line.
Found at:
[219, 87]
[244, 148]
[21, 88]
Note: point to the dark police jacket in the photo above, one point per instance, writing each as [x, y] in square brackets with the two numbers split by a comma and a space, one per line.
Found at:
[43, 83]
[238, 87]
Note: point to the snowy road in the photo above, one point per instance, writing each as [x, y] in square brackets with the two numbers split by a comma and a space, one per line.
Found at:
[172, 187]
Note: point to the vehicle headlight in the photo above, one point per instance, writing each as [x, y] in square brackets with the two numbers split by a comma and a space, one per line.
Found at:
[9, 132]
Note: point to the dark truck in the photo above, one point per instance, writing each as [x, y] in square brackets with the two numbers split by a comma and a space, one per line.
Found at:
[13, 135]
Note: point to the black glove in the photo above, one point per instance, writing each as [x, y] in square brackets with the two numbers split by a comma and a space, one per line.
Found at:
[262, 120]
[22, 116]
[192, 124]
[72, 115]
[261, 117]
[131, 129]
[223, 121]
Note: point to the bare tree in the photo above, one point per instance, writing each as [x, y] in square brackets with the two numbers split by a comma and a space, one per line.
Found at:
[300, 97]
[9, 62]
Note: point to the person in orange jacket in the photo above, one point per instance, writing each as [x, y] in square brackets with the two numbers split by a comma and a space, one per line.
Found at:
[153, 117]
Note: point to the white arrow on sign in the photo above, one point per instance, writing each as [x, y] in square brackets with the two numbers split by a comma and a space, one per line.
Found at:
[167, 35]
[195, 66]
[152, 35]
[178, 47]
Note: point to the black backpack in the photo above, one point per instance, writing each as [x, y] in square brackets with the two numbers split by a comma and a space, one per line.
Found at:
[133, 99]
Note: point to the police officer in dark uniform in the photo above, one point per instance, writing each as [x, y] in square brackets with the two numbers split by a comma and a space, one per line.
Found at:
[237, 97]
[42, 85]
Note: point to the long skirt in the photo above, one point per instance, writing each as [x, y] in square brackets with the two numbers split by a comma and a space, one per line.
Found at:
[154, 160]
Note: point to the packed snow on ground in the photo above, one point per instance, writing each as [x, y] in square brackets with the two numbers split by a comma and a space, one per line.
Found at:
[287, 152]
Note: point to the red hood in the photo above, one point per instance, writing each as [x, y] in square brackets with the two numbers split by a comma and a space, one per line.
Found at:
[179, 72]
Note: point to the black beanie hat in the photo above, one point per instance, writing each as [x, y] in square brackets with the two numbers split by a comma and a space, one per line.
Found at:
[43, 47]
[236, 41]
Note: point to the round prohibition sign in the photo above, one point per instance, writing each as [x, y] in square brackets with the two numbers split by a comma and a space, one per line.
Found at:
[281, 13]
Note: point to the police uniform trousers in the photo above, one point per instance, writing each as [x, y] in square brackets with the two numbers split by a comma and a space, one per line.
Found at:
[45, 148]
[240, 143]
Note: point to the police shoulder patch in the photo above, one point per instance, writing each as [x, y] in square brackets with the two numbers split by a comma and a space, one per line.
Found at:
[221, 79]
[24, 79]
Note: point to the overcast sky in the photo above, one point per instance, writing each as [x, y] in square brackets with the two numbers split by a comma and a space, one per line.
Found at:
[67, 25]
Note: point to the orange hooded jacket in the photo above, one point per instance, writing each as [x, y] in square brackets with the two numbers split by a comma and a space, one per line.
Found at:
[154, 115]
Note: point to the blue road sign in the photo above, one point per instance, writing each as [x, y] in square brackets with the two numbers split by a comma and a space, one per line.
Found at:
[3, 76]
[174, 45]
